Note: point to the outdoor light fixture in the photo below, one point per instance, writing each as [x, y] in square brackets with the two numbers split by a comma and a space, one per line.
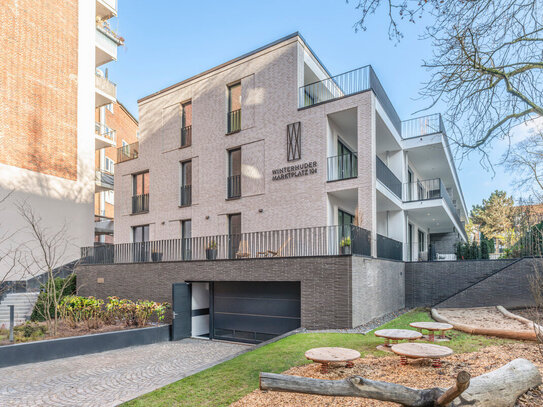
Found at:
[261, 210]
[207, 216]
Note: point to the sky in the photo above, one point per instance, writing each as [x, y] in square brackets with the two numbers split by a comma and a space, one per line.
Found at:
[167, 41]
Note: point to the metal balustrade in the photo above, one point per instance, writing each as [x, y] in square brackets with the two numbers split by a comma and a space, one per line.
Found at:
[234, 121]
[342, 167]
[233, 186]
[128, 152]
[186, 136]
[423, 126]
[303, 242]
[185, 194]
[140, 203]
[387, 177]
[388, 248]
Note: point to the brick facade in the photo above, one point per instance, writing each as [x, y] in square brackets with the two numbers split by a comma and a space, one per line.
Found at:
[38, 92]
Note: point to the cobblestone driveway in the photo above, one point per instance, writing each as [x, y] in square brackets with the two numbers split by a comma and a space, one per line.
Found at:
[109, 378]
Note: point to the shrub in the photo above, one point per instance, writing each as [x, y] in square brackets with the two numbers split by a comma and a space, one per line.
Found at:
[77, 309]
[70, 285]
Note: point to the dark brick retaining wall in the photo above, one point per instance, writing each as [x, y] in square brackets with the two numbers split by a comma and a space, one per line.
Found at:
[428, 283]
[325, 282]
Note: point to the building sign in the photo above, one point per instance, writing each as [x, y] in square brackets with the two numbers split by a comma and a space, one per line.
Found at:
[294, 171]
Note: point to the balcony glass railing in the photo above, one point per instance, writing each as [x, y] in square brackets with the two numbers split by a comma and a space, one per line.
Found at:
[346, 84]
[387, 177]
[128, 152]
[342, 167]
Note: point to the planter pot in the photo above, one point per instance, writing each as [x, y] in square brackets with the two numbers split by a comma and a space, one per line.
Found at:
[211, 254]
[346, 250]
[156, 256]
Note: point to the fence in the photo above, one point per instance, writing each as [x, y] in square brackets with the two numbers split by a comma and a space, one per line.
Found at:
[304, 242]
[388, 248]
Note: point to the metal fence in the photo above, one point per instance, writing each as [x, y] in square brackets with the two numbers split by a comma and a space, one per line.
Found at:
[423, 126]
[233, 186]
[185, 194]
[140, 203]
[234, 121]
[186, 136]
[387, 177]
[388, 248]
[342, 167]
[304, 242]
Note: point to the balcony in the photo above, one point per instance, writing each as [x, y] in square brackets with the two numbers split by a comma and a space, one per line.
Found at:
[105, 91]
[423, 126]
[304, 242]
[103, 225]
[106, 9]
[233, 186]
[234, 121]
[185, 194]
[103, 181]
[342, 167]
[186, 136]
[388, 248]
[348, 84]
[107, 42]
[387, 177]
[140, 203]
[128, 152]
[104, 136]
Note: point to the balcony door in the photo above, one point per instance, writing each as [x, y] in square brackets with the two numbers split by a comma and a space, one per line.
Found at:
[186, 235]
[140, 237]
[186, 183]
[345, 220]
[234, 235]
[347, 161]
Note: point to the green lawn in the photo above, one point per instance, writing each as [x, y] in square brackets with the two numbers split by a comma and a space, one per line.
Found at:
[225, 383]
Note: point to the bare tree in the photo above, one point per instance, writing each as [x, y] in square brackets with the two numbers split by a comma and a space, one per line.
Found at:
[9, 252]
[486, 66]
[46, 251]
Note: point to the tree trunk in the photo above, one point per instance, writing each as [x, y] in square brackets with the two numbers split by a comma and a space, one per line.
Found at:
[499, 388]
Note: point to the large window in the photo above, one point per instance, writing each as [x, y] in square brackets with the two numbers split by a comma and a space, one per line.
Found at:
[186, 124]
[347, 161]
[140, 237]
[345, 220]
[186, 183]
[140, 233]
[234, 108]
[140, 192]
[236, 244]
[422, 241]
[234, 173]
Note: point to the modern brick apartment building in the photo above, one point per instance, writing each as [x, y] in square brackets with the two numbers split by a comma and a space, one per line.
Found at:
[265, 194]
[49, 90]
[121, 127]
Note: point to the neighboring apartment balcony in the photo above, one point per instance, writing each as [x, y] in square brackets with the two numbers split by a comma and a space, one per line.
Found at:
[186, 136]
[105, 91]
[233, 121]
[233, 184]
[348, 84]
[430, 204]
[103, 225]
[104, 136]
[388, 248]
[128, 152]
[106, 9]
[423, 126]
[140, 203]
[107, 42]
[342, 167]
[104, 181]
[185, 194]
[304, 242]
[387, 177]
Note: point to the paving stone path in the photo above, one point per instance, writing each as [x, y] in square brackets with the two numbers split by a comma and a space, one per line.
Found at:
[109, 378]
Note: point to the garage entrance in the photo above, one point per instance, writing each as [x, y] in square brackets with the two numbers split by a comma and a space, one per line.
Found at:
[248, 311]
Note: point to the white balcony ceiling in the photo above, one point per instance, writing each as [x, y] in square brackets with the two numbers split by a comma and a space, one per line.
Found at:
[431, 214]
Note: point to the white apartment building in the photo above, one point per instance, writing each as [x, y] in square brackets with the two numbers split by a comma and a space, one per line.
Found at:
[50, 87]
[271, 141]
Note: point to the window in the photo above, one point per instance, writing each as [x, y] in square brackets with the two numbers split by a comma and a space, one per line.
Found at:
[347, 161]
[186, 234]
[140, 233]
[109, 165]
[345, 220]
[110, 197]
[186, 124]
[422, 245]
[186, 183]
[140, 237]
[125, 143]
[140, 192]
[294, 141]
[234, 108]
[110, 107]
[234, 173]
[236, 246]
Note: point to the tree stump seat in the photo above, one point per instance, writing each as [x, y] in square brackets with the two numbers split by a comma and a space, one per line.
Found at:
[421, 351]
[325, 356]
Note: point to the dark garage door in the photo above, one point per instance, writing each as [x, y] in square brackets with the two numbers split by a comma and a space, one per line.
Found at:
[255, 311]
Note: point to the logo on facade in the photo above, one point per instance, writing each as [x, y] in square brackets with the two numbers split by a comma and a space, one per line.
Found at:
[294, 171]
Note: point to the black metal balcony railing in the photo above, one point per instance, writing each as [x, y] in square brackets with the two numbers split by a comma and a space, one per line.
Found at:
[140, 203]
[387, 177]
[186, 136]
[388, 248]
[346, 84]
[342, 167]
[423, 126]
[305, 242]
[128, 152]
[233, 186]
[186, 195]
[234, 121]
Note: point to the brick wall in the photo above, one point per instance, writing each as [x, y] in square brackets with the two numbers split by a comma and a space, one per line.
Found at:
[325, 282]
[38, 92]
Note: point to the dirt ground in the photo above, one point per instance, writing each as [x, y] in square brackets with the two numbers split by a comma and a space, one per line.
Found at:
[418, 374]
[484, 317]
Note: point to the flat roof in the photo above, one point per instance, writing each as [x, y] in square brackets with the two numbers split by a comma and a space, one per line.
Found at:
[248, 54]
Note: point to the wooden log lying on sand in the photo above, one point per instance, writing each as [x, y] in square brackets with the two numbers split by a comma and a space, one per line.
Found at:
[499, 388]
[531, 324]
[527, 335]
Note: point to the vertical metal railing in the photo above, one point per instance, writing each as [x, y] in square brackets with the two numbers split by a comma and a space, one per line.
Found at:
[234, 121]
[128, 152]
[423, 126]
[186, 136]
[185, 195]
[342, 167]
[140, 203]
[387, 177]
[233, 184]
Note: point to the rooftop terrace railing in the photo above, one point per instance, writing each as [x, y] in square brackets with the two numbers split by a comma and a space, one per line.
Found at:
[347, 84]
[423, 126]
[304, 242]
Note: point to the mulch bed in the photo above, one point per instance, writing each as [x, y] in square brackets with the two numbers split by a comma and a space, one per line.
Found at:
[418, 374]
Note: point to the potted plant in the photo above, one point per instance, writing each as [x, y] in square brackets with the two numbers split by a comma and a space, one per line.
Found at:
[211, 250]
[156, 256]
[345, 245]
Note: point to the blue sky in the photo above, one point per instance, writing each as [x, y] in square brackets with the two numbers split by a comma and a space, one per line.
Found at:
[168, 41]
